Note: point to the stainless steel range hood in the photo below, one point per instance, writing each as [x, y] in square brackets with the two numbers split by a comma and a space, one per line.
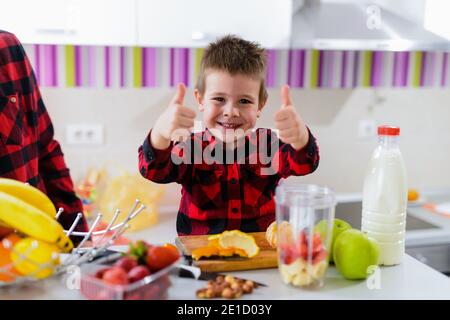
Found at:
[358, 26]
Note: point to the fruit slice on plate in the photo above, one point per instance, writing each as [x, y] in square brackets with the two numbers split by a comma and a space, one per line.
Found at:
[239, 240]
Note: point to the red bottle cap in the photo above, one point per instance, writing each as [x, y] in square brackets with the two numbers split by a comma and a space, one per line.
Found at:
[388, 131]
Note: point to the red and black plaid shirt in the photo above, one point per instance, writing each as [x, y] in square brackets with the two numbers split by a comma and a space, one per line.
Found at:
[224, 195]
[28, 151]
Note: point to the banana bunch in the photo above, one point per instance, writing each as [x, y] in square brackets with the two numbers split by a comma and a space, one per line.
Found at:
[29, 211]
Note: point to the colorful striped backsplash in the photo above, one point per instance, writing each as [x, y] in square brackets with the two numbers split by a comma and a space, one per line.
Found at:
[136, 67]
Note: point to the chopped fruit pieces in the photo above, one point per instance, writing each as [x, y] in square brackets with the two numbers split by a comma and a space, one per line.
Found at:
[317, 243]
[321, 255]
[303, 262]
[299, 273]
[288, 253]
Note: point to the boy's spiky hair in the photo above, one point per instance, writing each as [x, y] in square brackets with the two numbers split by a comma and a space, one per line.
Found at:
[235, 56]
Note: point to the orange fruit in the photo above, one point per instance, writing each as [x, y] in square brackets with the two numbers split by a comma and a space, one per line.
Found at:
[204, 252]
[5, 258]
[209, 251]
[413, 195]
[239, 240]
[227, 244]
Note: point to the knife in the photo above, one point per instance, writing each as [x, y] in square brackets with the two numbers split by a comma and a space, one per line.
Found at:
[196, 273]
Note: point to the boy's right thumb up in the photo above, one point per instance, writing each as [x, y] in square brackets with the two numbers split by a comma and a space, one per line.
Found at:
[285, 96]
[179, 95]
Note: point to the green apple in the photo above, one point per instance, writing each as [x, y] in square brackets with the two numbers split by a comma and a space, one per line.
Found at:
[354, 252]
[338, 227]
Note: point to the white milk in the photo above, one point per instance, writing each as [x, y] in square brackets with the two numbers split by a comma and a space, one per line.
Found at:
[385, 196]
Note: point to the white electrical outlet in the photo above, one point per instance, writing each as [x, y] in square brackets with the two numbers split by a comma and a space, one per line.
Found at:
[84, 134]
[367, 129]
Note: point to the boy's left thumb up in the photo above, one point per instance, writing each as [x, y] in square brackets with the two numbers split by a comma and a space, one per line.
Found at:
[285, 96]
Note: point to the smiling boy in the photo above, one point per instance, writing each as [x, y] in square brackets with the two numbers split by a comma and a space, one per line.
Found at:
[221, 194]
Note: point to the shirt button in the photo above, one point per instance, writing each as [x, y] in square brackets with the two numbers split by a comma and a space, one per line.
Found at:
[13, 99]
[233, 181]
[235, 210]
[150, 155]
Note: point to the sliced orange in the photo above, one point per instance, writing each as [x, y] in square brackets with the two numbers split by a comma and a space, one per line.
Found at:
[239, 240]
[227, 244]
[213, 243]
[204, 252]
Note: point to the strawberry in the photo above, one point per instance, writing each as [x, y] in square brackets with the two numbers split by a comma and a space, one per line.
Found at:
[319, 256]
[126, 263]
[288, 253]
[303, 251]
[115, 276]
[138, 273]
[139, 250]
[317, 243]
[100, 272]
[159, 257]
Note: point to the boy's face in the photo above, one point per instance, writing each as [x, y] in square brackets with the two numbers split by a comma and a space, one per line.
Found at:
[230, 104]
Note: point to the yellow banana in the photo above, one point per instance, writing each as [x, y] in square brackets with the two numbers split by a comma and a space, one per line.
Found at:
[35, 258]
[4, 225]
[29, 194]
[31, 221]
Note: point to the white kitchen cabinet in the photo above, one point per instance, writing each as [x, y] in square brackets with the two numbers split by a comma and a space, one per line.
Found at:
[194, 23]
[84, 22]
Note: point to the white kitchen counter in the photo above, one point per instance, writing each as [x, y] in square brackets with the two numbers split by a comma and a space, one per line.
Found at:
[410, 280]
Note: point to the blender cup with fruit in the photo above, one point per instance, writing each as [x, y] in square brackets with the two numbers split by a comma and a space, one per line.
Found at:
[305, 215]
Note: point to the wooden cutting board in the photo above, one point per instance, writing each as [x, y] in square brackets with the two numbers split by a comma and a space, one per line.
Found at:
[267, 257]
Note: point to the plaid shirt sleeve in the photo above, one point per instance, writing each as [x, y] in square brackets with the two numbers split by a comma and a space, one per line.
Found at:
[301, 162]
[29, 151]
[163, 166]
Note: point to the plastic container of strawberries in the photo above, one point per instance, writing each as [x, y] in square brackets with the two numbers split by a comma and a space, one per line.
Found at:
[153, 287]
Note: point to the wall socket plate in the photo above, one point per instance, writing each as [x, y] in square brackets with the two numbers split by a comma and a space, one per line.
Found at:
[367, 129]
[84, 134]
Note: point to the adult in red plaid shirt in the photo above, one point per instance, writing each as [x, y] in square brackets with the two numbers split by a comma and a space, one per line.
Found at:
[225, 195]
[28, 151]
